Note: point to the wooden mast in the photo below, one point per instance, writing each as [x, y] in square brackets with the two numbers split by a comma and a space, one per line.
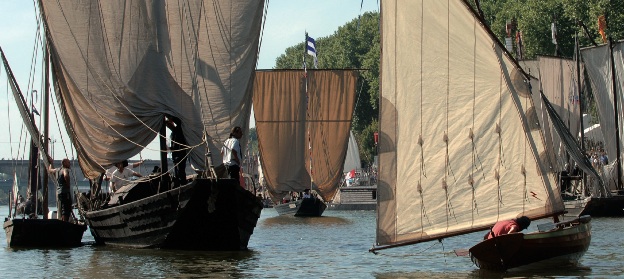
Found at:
[163, 154]
[615, 111]
[46, 126]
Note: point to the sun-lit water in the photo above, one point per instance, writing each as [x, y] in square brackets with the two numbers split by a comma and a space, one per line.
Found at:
[333, 246]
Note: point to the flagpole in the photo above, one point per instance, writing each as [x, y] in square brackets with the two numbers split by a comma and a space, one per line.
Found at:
[305, 70]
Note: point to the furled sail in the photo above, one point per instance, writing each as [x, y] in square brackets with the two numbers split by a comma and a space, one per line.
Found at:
[121, 65]
[598, 65]
[296, 130]
[457, 152]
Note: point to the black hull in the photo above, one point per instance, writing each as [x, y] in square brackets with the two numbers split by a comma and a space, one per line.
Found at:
[604, 207]
[43, 233]
[311, 207]
[206, 214]
[552, 249]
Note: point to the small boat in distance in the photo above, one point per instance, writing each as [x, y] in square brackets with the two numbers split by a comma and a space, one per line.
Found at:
[30, 229]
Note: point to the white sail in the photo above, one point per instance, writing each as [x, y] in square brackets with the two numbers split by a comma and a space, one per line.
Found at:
[352, 161]
[121, 65]
[559, 83]
[456, 151]
[598, 64]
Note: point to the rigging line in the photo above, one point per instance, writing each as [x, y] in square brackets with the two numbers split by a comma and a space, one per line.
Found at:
[500, 145]
[423, 171]
[211, 51]
[205, 133]
[230, 63]
[107, 42]
[324, 145]
[95, 73]
[9, 122]
[449, 168]
[262, 28]
[524, 162]
[474, 97]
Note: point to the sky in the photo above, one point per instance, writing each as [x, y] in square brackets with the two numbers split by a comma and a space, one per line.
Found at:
[285, 26]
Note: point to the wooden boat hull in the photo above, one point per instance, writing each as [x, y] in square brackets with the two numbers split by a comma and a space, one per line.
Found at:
[206, 214]
[43, 233]
[312, 207]
[560, 246]
[604, 207]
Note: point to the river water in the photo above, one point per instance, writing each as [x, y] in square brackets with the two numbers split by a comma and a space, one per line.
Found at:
[333, 246]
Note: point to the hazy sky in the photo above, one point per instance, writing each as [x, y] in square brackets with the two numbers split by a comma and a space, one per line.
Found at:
[286, 24]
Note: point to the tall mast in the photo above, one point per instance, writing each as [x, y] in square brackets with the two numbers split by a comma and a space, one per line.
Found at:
[615, 110]
[163, 152]
[577, 51]
[578, 86]
[46, 124]
[305, 67]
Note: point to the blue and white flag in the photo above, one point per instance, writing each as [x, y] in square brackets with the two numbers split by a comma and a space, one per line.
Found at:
[311, 49]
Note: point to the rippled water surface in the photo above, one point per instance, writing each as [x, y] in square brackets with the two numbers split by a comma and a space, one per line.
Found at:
[333, 246]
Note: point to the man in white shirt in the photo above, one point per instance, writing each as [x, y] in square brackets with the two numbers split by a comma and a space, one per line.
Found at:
[232, 154]
[122, 176]
[109, 172]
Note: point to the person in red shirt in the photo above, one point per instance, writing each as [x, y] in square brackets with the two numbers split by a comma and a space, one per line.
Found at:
[508, 226]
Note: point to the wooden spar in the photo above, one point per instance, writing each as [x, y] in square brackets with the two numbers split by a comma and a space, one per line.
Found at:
[46, 126]
[440, 237]
[163, 150]
[580, 102]
[615, 112]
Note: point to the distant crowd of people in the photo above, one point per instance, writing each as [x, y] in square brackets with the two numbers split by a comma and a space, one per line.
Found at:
[598, 158]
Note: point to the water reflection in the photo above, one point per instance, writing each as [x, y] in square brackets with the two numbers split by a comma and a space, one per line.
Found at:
[307, 221]
[543, 272]
[104, 261]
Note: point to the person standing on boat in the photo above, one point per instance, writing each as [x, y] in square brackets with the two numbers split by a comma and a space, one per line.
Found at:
[178, 149]
[109, 172]
[306, 194]
[122, 176]
[508, 226]
[232, 153]
[63, 192]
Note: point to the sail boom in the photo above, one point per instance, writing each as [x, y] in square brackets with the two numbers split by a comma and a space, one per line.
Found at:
[450, 234]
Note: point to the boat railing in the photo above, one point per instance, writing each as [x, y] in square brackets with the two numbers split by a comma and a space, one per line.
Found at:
[561, 225]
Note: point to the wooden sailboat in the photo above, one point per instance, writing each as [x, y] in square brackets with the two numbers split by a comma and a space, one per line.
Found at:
[302, 138]
[117, 79]
[32, 230]
[453, 98]
[605, 69]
